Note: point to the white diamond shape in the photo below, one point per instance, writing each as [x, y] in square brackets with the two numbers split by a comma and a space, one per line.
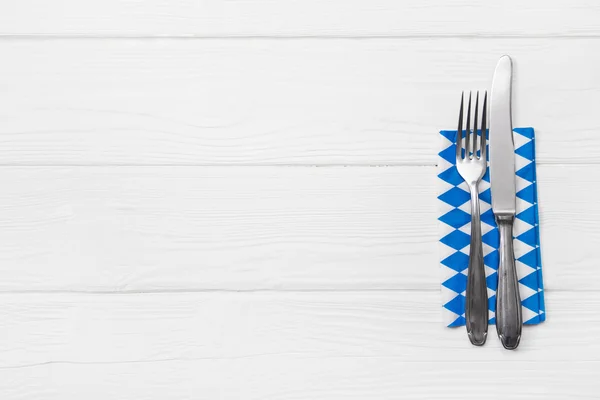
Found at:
[526, 292]
[520, 162]
[520, 140]
[527, 314]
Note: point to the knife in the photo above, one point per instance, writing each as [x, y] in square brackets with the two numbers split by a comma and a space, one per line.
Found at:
[503, 187]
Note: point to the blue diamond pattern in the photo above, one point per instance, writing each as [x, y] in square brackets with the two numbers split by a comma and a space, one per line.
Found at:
[456, 305]
[455, 197]
[457, 283]
[450, 135]
[529, 237]
[457, 262]
[451, 176]
[529, 215]
[492, 281]
[527, 193]
[491, 260]
[492, 304]
[527, 172]
[492, 238]
[525, 150]
[455, 218]
[456, 239]
[486, 176]
[460, 321]
[531, 281]
[530, 259]
[488, 218]
[486, 196]
[449, 155]
[532, 302]
[527, 132]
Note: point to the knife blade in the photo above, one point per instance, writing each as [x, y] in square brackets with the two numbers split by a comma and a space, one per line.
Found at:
[503, 188]
[502, 147]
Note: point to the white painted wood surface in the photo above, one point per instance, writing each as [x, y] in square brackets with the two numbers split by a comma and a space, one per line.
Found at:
[354, 18]
[236, 199]
[279, 102]
[257, 228]
[281, 345]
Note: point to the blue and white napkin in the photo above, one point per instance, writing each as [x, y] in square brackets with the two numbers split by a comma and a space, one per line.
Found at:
[455, 229]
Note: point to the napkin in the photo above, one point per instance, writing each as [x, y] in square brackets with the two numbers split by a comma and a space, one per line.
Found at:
[454, 231]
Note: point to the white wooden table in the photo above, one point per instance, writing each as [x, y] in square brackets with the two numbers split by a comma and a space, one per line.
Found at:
[236, 199]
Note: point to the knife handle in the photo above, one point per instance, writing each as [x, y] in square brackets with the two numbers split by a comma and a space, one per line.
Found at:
[476, 313]
[508, 300]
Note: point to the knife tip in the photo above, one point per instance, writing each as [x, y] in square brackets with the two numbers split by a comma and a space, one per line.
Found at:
[505, 58]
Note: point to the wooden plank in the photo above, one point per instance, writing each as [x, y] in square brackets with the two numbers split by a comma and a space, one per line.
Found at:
[260, 228]
[125, 328]
[283, 346]
[273, 102]
[306, 18]
[292, 378]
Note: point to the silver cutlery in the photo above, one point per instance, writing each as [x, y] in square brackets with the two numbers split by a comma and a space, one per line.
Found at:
[472, 167]
[503, 187]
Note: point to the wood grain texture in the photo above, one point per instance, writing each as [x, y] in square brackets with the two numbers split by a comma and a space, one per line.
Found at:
[273, 102]
[260, 228]
[357, 18]
[282, 346]
[290, 378]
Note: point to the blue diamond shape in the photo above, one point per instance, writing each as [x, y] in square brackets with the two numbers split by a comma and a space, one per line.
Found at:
[460, 321]
[492, 303]
[527, 194]
[457, 283]
[456, 305]
[532, 302]
[450, 135]
[455, 218]
[492, 281]
[527, 172]
[492, 238]
[455, 197]
[457, 240]
[526, 150]
[486, 196]
[493, 321]
[451, 176]
[488, 218]
[492, 260]
[449, 154]
[530, 259]
[457, 261]
[528, 215]
[533, 320]
[486, 176]
[529, 237]
[531, 281]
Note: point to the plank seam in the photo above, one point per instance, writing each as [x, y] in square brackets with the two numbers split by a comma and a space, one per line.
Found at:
[50, 36]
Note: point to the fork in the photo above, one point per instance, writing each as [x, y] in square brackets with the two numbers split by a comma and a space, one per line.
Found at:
[472, 167]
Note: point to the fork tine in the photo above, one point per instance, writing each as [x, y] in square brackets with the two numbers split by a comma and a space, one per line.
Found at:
[459, 131]
[468, 130]
[474, 138]
[484, 128]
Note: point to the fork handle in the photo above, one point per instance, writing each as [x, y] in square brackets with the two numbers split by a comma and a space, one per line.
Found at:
[508, 300]
[477, 300]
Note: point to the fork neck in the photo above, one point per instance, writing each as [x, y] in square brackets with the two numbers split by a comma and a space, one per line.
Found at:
[474, 189]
